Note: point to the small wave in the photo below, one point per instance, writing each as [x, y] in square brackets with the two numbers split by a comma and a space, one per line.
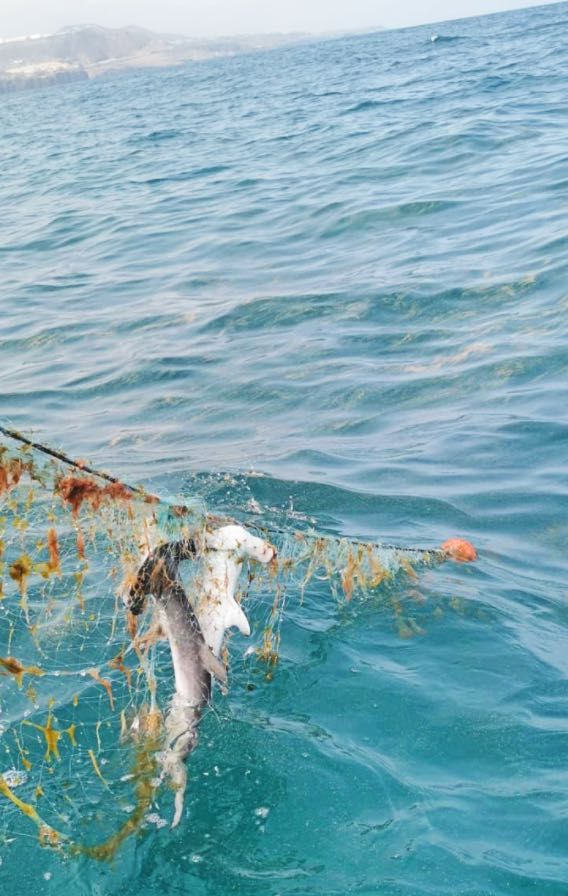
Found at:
[167, 134]
[363, 106]
[186, 175]
[445, 38]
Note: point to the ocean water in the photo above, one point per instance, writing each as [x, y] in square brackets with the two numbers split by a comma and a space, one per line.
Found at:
[344, 266]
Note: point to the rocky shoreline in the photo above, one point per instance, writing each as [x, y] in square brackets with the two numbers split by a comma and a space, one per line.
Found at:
[24, 77]
[87, 51]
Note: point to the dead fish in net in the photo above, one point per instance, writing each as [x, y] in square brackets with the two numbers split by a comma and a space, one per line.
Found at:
[216, 607]
[193, 662]
[195, 666]
[195, 637]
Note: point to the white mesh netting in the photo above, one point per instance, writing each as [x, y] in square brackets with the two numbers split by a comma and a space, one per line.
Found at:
[77, 669]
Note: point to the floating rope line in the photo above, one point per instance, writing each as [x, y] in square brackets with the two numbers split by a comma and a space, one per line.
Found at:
[270, 529]
[78, 465]
[266, 529]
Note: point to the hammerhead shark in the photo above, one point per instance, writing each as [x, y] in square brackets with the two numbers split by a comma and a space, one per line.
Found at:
[195, 636]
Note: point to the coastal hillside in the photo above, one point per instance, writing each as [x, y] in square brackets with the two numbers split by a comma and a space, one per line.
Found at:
[85, 51]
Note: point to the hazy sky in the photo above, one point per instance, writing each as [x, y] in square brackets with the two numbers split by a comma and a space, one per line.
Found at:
[216, 17]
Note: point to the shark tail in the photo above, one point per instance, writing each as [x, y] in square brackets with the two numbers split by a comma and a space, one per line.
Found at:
[179, 781]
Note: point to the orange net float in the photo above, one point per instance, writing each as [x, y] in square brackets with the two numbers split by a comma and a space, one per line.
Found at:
[460, 550]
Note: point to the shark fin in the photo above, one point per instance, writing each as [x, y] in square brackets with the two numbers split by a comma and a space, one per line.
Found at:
[236, 618]
[212, 664]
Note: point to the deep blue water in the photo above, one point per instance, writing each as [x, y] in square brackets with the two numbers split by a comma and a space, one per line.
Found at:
[344, 265]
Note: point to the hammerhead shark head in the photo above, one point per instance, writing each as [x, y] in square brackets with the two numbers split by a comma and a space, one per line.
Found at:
[216, 607]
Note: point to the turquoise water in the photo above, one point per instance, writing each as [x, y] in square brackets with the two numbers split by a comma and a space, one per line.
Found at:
[342, 265]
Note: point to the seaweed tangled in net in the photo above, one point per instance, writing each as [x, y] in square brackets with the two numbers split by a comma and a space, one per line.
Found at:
[78, 671]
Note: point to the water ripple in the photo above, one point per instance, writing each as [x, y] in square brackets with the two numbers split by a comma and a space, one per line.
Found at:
[343, 265]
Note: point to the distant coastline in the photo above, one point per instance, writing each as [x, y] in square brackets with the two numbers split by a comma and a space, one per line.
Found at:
[87, 51]
[42, 74]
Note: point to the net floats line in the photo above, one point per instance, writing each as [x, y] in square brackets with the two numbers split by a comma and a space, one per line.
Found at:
[456, 548]
[311, 535]
[78, 465]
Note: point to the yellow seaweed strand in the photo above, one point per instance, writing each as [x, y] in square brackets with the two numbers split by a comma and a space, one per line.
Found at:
[98, 772]
[145, 772]
[51, 735]
[14, 667]
[48, 836]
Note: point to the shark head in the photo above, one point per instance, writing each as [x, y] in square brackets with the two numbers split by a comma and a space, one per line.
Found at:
[217, 608]
[238, 542]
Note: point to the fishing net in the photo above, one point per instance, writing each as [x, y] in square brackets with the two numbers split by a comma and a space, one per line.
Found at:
[78, 670]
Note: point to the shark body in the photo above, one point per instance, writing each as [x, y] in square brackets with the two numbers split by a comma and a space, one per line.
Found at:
[193, 662]
[195, 636]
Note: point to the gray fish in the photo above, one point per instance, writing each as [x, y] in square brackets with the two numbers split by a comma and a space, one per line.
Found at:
[159, 567]
[194, 667]
[194, 664]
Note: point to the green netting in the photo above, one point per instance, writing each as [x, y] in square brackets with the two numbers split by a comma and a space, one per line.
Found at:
[77, 670]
